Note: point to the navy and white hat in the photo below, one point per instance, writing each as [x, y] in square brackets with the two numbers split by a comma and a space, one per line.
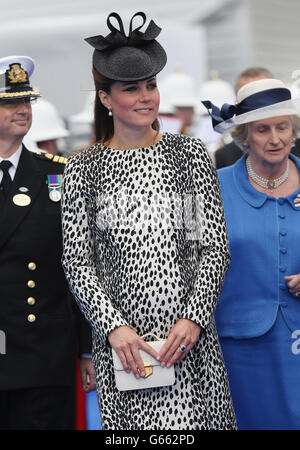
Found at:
[15, 72]
[135, 57]
[257, 100]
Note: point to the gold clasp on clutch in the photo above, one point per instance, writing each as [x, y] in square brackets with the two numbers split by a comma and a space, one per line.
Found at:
[148, 369]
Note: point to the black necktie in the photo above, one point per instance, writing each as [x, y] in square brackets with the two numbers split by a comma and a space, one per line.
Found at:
[6, 181]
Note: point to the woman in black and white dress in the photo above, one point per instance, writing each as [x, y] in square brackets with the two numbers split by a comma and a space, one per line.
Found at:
[145, 245]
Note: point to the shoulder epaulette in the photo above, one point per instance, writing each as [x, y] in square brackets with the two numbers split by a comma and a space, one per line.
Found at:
[51, 157]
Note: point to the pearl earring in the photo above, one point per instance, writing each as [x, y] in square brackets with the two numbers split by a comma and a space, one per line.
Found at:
[110, 113]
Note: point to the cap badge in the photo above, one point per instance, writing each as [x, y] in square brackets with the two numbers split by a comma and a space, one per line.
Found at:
[16, 74]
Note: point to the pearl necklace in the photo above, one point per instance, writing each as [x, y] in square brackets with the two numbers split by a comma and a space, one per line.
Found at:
[264, 182]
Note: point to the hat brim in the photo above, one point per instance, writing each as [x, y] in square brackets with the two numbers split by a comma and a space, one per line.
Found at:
[285, 108]
[131, 63]
[184, 102]
[19, 95]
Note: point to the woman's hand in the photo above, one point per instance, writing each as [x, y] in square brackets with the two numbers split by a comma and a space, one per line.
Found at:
[127, 344]
[293, 284]
[183, 336]
[87, 374]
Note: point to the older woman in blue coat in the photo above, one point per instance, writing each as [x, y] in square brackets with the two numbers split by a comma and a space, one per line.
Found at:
[258, 315]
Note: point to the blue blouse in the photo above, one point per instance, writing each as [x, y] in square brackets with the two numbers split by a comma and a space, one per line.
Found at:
[264, 237]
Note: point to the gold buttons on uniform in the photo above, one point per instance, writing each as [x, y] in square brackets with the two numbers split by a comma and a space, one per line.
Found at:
[31, 301]
[31, 284]
[31, 266]
[31, 318]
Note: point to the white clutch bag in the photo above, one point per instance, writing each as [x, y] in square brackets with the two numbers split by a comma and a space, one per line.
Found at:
[156, 375]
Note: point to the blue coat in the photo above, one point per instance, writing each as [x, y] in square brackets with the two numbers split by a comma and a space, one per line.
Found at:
[264, 237]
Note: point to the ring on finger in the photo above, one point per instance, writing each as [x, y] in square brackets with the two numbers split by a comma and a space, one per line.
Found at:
[182, 348]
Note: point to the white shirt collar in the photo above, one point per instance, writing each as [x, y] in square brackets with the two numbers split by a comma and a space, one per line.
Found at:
[14, 159]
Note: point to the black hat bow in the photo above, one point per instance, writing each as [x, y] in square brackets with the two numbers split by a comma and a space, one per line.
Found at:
[118, 38]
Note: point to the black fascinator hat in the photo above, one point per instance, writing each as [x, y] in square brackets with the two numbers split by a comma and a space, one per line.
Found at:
[135, 57]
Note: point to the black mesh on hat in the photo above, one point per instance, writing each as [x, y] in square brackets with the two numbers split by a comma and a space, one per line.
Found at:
[137, 56]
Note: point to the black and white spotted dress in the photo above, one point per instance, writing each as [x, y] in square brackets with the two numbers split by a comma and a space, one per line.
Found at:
[135, 253]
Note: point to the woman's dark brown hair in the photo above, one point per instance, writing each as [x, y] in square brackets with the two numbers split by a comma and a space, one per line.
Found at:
[103, 123]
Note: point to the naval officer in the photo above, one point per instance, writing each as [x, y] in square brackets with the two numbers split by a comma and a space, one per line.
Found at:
[37, 316]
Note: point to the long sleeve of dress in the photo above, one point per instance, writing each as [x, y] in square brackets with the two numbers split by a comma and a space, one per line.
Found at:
[215, 255]
[79, 256]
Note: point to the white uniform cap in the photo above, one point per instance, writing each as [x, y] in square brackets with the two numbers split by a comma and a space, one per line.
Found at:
[26, 62]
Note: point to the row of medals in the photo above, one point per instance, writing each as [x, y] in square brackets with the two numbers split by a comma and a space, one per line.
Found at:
[25, 200]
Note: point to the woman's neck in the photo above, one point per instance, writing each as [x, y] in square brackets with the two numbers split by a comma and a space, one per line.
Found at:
[125, 140]
[290, 185]
[267, 170]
